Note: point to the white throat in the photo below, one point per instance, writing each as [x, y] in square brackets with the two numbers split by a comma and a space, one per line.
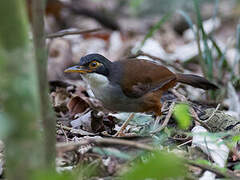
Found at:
[95, 80]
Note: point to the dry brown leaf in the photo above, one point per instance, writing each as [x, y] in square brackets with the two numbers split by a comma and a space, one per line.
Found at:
[77, 105]
[59, 99]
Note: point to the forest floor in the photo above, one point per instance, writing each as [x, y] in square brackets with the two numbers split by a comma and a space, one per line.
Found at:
[197, 134]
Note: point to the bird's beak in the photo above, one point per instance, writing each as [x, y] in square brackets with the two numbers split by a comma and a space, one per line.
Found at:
[77, 69]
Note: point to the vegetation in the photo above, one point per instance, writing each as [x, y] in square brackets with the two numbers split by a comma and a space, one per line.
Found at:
[196, 135]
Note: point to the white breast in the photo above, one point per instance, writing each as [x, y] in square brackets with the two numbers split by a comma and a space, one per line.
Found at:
[111, 96]
[99, 84]
[95, 80]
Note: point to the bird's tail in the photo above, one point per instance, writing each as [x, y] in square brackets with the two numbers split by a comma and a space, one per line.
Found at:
[195, 81]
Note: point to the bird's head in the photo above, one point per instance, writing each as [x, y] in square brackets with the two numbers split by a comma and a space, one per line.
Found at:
[91, 63]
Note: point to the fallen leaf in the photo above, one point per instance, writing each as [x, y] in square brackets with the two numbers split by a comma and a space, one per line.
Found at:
[77, 105]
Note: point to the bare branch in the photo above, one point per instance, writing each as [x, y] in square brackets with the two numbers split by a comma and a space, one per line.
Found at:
[71, 32]
[107, 141]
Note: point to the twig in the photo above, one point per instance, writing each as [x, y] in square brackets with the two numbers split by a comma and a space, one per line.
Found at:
[226, 173]
[62, 119]
[194, 114]
[180, 145]
[179, 96]
[71, 32]
[177, 138]
[64, 133]
[210, 117]
[75, 131]
[166, 120]
[120, 132]
[157, 120]
[110, 141]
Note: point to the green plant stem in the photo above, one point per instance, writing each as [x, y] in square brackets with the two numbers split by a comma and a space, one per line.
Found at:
[199, 26]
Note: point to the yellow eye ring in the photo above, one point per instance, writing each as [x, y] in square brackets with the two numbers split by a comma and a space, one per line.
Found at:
[94, 64]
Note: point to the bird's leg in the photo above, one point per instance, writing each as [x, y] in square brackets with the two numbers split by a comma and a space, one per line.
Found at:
[120, 131]
[165, 108]
[166, 120]
[158, 113]
[156, 122]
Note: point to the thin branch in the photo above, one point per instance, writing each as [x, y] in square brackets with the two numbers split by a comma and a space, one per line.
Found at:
[194, 114]
[123, 127]
[178, 95]
[223, 173]
[214, 112]
[71, 32]
[110, 141]
[65, 135]
[180, 145]
[75, 131]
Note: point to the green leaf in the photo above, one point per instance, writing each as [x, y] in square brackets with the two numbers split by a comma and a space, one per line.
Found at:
[158, 165]
[206, 54]
[181, 114]
[236, 138]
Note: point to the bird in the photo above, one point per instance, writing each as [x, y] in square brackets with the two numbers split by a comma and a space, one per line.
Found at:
[131, 85]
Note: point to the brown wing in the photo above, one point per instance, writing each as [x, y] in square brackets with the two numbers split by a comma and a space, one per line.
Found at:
[143, 76]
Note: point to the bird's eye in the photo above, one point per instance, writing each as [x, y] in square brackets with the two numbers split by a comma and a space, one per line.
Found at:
[94, 64]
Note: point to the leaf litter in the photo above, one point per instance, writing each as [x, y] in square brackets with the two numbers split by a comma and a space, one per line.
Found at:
[87, 119]
[85, 129]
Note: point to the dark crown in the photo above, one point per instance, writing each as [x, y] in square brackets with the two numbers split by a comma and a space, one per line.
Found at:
[106, 64]
[94, 57]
